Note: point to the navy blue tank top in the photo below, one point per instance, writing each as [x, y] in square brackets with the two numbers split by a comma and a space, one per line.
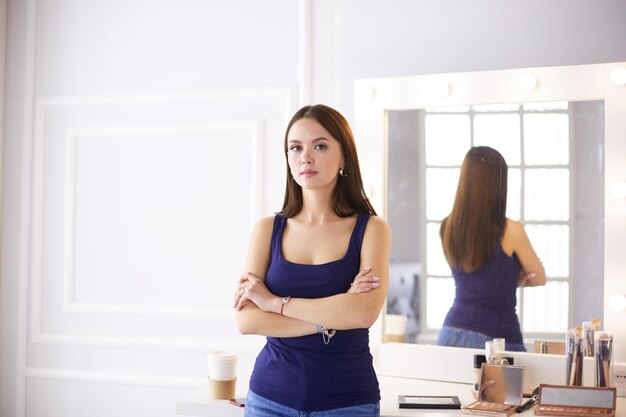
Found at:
[302, 372]
[485, 299]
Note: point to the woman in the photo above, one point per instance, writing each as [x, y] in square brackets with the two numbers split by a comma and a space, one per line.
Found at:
[315, 280]
[490, 256]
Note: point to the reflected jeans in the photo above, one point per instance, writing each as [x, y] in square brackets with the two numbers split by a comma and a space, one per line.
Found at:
[257, 406]
[453, 336]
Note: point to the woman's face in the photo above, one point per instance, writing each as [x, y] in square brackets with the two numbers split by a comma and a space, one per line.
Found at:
[314, 156]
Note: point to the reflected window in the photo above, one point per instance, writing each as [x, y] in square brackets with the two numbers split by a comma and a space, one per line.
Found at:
[442, 290]
[447, 135]
[534, 140]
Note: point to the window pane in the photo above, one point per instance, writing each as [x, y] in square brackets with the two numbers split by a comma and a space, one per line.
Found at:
[441, 186]
[501, 132]
[439, 298]
[546, 139]
[496, 107]
[546, 194]
[448, 109]
[435, 259]
[552, 246]
[546, 105]
[513, 194]
[545, 308]
[447, 138]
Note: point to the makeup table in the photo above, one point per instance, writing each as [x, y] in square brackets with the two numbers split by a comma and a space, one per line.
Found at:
[198, 404]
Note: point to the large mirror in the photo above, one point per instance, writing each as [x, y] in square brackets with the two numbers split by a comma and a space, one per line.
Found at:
[554, 151]
[549, 124]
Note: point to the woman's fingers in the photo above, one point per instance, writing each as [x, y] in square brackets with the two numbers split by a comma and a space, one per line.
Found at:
[364, 282]
[252, 289]
[241, 288]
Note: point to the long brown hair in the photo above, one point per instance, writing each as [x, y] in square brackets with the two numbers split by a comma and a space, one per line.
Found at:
[476, 223]
[348, 196]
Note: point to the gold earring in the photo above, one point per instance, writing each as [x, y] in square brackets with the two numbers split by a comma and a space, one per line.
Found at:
[342, 172]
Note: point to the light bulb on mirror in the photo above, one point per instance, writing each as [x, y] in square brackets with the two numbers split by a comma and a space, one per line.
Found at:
[528, 82]
[618, 189]
[618, 76]
[440, 89]
[367, 93]
[617, 302]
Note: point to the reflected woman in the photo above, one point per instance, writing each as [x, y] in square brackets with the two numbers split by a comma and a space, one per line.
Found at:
[490, 256]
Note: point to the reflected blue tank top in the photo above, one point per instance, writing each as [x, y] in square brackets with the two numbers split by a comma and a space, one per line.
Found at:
[485, 299]
[302, 372]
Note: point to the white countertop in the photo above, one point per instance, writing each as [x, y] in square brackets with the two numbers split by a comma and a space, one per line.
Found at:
[198, 403]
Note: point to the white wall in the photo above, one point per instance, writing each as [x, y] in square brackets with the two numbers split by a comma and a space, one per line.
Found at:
[143, 138]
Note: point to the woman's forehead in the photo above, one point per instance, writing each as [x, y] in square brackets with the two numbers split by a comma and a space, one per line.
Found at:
[307, 129]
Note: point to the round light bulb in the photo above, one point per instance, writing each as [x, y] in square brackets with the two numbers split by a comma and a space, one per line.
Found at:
[617, 302]
[618, 76]
[618, 189]
[440, 89]
[528, 82]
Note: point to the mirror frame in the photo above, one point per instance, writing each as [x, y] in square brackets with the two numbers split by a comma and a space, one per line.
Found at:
[374, 97]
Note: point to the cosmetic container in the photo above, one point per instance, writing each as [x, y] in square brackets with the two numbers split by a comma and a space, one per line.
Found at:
[491, 352]
[603, 351]
[500, 344]
[478, 362]
[574, 356]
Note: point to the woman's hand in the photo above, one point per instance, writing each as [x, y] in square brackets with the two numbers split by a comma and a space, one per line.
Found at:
[524, 278]
[363, 282]
[252, 288]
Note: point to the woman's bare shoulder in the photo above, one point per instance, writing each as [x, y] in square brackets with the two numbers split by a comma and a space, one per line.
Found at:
[512, 232]
[514, 227]
[263, 228]
[266, 222]
[378, 226]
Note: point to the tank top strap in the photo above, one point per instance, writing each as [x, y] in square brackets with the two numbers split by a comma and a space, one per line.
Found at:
[359, 229]
[277, 235]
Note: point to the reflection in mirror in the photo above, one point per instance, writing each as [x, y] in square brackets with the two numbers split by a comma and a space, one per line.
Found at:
[554, 151]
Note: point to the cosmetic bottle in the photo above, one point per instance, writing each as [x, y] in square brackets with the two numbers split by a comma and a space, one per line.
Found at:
[478, 361]
[491, 352]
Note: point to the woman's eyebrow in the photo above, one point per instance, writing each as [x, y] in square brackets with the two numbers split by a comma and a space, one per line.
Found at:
[320, 139]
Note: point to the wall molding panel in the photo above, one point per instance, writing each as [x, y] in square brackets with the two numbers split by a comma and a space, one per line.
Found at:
[62, 124]
[252, 129]
[114, 378]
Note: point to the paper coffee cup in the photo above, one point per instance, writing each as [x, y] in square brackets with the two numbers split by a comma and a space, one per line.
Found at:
[222, 366]
[222, 390]
[395, 328]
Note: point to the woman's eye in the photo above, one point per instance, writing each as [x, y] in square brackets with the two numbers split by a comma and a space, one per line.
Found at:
[295, 148]
[321, 147]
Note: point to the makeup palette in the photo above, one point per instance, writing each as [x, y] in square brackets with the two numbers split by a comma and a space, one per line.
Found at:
[573, 401]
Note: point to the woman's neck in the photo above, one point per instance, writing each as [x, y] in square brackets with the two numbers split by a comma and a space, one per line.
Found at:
[317, 207]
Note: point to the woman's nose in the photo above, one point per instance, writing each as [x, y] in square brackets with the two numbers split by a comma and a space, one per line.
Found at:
[305, 158]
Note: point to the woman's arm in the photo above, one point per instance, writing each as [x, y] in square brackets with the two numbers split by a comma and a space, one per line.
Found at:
[252, 320]
[533, 273]
[342, 311]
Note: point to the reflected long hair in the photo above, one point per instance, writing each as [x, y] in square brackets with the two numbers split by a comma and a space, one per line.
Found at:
[348, 195]
[478, 217]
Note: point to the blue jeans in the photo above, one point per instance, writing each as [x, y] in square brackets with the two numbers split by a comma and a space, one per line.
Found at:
[257, 406]
[453, 336]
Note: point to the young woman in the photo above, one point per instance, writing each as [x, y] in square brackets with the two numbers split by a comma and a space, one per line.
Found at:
[315, 280]
[490, 256]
